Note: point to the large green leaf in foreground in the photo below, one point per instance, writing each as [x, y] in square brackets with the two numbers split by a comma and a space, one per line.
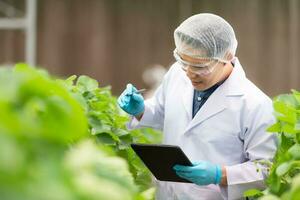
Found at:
[41, 124]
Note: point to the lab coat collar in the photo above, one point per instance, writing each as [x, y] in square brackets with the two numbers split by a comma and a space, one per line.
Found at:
[234, 85]
[218, 100]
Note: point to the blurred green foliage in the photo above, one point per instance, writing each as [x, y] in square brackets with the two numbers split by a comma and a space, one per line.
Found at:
[47, 150]
[284, 179]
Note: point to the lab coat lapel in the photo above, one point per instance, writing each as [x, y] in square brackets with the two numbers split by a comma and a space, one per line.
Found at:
[215, 104]
[218, 101]
[187, 98]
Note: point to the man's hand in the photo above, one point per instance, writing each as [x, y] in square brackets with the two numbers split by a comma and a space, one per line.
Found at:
[201, 173]
[131, 101]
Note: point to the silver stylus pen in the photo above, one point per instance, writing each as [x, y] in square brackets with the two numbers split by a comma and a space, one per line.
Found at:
[140, 91]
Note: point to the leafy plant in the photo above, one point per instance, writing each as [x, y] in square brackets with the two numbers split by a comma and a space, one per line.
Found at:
[41, 123]
[284, 179]
[98, 174]
[107, 122]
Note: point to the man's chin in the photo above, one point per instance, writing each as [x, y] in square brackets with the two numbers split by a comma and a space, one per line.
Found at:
[198, 85]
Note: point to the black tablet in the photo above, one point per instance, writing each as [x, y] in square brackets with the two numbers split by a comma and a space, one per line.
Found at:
[160, 160]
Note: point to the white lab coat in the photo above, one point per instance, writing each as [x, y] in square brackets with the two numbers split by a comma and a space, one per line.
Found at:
[228, 130]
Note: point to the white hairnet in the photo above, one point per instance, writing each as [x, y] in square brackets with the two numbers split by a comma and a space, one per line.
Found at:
[205, 36]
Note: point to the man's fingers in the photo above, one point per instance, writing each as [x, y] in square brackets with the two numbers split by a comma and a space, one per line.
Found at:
[126, 99]
[182, 168]
[137, 97]
[183, 175]
[129, 89]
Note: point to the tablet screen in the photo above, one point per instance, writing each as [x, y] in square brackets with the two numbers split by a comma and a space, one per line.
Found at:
[160, 160]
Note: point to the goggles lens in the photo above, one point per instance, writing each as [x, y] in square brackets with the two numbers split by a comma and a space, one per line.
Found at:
[197, 68]
[200, 70]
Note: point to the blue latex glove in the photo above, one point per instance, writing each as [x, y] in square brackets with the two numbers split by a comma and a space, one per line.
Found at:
[131, 101]
[201, 173]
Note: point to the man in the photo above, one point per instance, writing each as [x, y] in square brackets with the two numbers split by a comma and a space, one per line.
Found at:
[208, 107]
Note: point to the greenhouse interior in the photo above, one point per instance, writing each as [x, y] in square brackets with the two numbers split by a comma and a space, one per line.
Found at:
[149, 99]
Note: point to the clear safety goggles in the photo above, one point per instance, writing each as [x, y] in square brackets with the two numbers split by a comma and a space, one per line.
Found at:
[198, 68]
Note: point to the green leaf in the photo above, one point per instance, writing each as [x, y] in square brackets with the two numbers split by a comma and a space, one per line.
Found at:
[253, 193]
[285, 142]
[148, 194]
[98, 126]
[87, 83]
[125, 141]
[283, 168]
[286, 167]
[297, 126]
[295, 151]
[275, 127]
[288, 128]
[285, 110]
[295, 188]
[270, 197]
[274, 182]
[70, 81]
[120, 132]
[288, 99]
[296, 95]
[106, 138]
